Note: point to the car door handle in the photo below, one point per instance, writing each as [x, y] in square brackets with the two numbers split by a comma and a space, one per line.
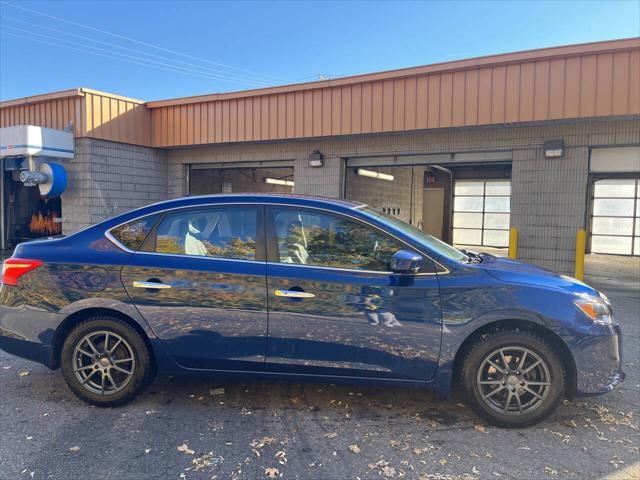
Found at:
[293, 294]
[151, 285]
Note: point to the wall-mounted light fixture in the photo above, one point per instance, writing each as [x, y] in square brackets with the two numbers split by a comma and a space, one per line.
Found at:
[363, 172]
[279, 181]
[553, 148]
[316, 159]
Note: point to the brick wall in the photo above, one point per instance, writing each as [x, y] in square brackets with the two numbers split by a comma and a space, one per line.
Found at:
[549, 198]
[109, 178]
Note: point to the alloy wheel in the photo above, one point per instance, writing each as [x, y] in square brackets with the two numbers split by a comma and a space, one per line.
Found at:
[103, 362]
[514, 380]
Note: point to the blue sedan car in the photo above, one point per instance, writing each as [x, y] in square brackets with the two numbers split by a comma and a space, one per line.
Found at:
[299, 287]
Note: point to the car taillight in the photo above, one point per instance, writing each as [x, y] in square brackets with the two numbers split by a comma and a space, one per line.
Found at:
[14, 268]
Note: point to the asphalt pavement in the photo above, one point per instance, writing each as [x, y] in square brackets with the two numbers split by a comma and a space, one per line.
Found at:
[190, 428]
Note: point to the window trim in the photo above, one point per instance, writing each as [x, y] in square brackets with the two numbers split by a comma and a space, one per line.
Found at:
[151, 238]
[440, 269]
[273, 255]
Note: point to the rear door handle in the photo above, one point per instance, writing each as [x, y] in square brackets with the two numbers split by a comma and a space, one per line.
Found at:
[151, 285]
[293, 294]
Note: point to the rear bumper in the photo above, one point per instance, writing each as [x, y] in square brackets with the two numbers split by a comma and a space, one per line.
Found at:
[33, 351]
[599, 369]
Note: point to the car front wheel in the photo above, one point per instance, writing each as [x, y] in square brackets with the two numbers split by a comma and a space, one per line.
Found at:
[513, 378]
[105, 362]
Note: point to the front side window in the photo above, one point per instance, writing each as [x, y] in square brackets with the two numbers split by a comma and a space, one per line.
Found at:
[222, 232]
[132, 234]
[325, 240]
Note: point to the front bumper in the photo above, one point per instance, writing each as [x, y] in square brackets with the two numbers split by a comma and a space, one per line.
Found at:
[599, 364]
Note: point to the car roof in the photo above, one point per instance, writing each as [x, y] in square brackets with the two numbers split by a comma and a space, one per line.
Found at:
[267, 198]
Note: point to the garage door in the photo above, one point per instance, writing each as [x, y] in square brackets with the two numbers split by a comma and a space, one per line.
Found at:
[615, 226]
[481, 211]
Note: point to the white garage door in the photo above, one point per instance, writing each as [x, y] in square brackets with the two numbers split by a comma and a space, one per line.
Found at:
[481, 210]
[615, 226]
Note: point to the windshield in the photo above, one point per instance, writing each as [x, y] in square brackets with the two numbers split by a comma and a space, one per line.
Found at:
[419, 236]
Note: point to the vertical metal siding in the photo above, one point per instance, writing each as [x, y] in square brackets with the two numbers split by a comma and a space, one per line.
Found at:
[582, 85]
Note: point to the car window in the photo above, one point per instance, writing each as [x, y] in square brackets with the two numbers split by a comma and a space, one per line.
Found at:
[224, 232]
[438, 246]
[132, 234]
[326, 240]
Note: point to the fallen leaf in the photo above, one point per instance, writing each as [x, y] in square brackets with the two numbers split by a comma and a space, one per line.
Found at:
[216, 391]
[202, 462]
[443, 461]
[184, 448]
[281, 456]
[24, 373]
[388, 471]
[432, 423]
[354, 448]
[479, 428]
[7, 367]
[74, 449]
[331, 434]
[271, 472]
[147, 450]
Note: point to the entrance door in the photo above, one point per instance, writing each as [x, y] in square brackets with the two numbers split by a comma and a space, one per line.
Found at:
[433, 211]
[199, 281]
[335, 309]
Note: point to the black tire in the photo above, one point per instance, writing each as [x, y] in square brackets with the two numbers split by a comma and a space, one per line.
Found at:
[132, 343]
[476, 368]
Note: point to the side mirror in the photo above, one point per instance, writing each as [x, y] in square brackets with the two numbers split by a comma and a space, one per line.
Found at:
[404, 261]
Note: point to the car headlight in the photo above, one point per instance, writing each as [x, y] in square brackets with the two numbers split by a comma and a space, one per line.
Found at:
[596, 308]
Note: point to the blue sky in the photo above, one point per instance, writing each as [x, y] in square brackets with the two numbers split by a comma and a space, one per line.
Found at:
[206, 47]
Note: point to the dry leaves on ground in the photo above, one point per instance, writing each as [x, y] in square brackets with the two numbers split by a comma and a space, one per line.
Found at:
[74, 449]
[355, 448]
[184, 448]
[271, 472]
[331, 434]
[23, 374]
[281, 457]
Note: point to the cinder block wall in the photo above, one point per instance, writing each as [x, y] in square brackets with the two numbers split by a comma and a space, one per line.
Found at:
[549, 197]
[387, 195]
[109, 178]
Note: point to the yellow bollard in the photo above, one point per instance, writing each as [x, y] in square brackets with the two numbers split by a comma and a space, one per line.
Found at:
[581, 239]
[513, 243]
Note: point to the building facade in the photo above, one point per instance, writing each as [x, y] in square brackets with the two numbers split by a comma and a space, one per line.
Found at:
[546, 141]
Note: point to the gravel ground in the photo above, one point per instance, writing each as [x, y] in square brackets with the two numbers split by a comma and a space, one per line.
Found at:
[253, 429]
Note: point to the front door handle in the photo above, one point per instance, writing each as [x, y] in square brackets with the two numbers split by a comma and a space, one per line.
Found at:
[293, 294]
[151, 285]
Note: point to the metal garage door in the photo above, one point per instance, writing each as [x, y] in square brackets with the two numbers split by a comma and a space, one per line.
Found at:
[481, 211]
[615, 226]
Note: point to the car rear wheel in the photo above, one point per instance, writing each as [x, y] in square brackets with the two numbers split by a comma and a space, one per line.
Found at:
[513, 378]
[105, 362]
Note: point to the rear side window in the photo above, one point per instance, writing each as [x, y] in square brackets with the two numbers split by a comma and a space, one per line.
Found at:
[132, 234]
[222, 232]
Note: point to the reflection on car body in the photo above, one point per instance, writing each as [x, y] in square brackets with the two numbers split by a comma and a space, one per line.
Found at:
[276, 285]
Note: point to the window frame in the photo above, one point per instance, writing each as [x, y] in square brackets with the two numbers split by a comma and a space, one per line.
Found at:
[149, 244]
[273, 255]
